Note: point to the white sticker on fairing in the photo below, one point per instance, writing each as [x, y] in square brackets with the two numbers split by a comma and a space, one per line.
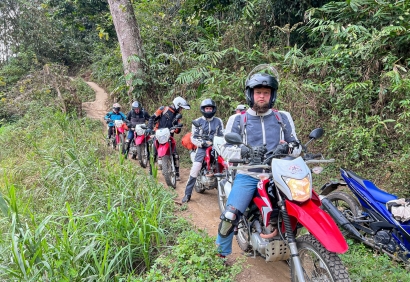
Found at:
[294, 169]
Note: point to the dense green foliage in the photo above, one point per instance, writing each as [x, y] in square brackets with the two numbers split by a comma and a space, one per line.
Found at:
[343, 66]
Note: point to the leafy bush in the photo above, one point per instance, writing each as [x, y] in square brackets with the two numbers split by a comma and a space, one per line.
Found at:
[193, 258]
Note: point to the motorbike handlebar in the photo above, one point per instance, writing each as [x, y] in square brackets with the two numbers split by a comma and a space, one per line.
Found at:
[237, 161]
[312, 156]
[319, 161]
[249, 167]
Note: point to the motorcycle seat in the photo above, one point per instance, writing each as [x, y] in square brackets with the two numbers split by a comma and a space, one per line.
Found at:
[379, 195]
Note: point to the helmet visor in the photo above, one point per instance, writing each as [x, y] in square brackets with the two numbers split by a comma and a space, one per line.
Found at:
[264, 68]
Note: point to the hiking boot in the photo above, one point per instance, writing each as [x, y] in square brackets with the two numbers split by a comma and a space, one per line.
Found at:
[186, 198]
[226, 261]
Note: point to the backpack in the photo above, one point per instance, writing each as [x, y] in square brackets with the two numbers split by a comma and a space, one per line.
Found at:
[187, 143]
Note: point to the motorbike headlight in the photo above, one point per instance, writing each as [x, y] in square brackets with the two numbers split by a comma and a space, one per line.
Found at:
[300, 188]
[118, 123]
[162, 135]
[139, 130]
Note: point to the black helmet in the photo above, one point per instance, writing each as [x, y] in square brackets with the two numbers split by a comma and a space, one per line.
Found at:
[135, 105]
[261, 80]
[208, 103]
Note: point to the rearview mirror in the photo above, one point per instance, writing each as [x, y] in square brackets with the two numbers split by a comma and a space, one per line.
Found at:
[233, 138]
[178, 116]
[316, 133]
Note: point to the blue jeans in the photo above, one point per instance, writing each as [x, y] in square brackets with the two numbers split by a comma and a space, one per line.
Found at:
[241, 195]
[130, 135]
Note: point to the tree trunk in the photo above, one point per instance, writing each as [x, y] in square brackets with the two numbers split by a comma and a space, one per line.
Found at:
[129, 38]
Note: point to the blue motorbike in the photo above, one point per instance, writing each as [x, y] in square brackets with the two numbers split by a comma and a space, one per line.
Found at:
[369, 213]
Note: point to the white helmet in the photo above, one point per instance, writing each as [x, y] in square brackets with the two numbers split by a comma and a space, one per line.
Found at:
[116, 107]
[180, 102]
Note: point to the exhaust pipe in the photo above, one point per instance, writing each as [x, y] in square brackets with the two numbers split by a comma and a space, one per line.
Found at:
[341, 219]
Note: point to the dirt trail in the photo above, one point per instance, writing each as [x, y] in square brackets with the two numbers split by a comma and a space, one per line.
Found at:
[98, 108]
[202, 210]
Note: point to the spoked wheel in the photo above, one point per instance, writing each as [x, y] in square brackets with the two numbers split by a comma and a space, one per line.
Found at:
[134, 150]
[168, 171]
[114, 142]
[142, 152]
[243, 236]
[347, 205]
[151, 157]
[121, 146]
[199, 188]
[318, 263]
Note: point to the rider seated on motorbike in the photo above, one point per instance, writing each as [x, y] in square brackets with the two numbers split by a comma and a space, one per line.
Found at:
[164, 117]
[202, 138]
[110, 117]
[264, 131]
[137, 115]
[240, 109]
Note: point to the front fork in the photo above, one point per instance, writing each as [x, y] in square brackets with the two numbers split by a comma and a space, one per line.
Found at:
[117, 137]
[291, 240]
[172, 156]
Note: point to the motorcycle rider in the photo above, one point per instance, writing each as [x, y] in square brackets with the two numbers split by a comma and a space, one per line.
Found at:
[137, 115]
[240, 109]
[202, 138]
[164, 117]
[115, 114]
[259, 127]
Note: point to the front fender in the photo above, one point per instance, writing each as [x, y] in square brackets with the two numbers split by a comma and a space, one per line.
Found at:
[163, 149]
[319, 224]
[140, 139]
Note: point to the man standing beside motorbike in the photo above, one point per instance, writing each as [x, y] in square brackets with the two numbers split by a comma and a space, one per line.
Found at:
[202, 137]
[137, 115]
[115, 114]
[164, 117]
[259, 128]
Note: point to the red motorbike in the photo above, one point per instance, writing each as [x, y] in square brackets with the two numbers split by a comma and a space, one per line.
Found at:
[212, 166]
[118, 137]
[283, 204]
[165, 146]
[139, 146]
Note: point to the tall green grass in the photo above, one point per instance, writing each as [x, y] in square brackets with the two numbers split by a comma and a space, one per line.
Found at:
[72, 209]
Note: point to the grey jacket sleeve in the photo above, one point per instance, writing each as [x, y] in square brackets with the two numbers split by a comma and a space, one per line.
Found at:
[195, 136]
[220, 129]
[233, 124]
[289, 134]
